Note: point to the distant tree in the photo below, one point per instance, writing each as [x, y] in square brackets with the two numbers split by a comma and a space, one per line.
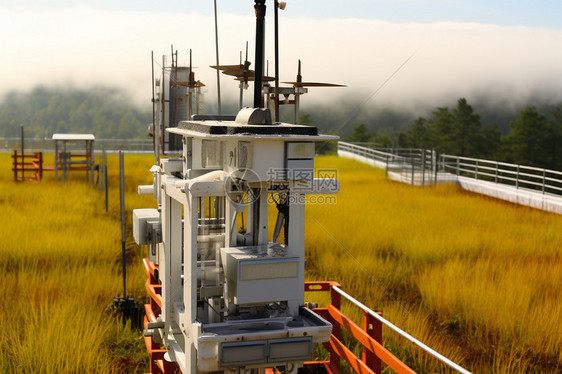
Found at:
[405, 140]
[466, 130]
[383, 140]
[441, 131]
[360, 134]
[527, 143]
[554, 142]
[420, 133]
[105, 112]
[490, 143]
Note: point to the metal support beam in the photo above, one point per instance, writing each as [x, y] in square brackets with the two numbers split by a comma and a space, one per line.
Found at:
[260, 39]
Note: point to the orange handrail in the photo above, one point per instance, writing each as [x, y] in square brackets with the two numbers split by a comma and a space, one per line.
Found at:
[370, 337]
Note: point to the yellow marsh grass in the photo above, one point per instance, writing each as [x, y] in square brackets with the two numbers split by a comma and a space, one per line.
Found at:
[60, 264]
[477, 279]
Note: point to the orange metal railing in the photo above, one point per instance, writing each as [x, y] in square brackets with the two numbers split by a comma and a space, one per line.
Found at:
[158, 365]
[32, 163]
[369, 336]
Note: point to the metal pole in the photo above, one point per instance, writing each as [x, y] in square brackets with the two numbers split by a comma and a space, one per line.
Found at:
[260, 37]
[217, 54]
[22, 156]
[106, 185]
[423, 167]
[296, 119]
[154, 135]
[241, 99]
[162, 139]
[57, 163]
[276, 14]
[436, 163]
[64, 161]
[190, 89]
[122, 200]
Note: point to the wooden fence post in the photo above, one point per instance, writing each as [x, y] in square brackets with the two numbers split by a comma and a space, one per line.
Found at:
[40, 165]
[15, 165]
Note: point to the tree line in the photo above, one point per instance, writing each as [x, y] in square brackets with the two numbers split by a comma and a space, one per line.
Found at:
[102, 111]
[533, 139]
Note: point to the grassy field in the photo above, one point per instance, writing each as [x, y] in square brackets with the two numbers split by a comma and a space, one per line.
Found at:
[476, 279]
[60, 264]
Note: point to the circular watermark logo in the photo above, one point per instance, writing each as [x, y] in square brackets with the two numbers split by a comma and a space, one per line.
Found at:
[243, 187]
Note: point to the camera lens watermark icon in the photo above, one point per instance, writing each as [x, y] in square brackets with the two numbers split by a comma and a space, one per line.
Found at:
[243, 186]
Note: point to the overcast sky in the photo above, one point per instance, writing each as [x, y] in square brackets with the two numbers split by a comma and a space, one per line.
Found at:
[511, 49]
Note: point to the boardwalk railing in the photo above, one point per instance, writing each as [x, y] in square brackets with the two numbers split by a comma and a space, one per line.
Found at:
[373, 353]
[417, 166]
[412, 165]
[519, 176]
[380, 154]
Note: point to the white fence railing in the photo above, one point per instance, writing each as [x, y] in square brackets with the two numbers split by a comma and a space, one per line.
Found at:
[413, 165]
[518, 176]
[380, 154]
[419, 166]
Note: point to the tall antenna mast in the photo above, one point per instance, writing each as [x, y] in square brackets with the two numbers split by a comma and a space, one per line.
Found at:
[276, 15]
[189, 88]
[154, 135]
[217, 54]
[260, 31]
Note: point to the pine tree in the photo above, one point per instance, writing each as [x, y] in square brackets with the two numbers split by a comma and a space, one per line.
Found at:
[528, 142]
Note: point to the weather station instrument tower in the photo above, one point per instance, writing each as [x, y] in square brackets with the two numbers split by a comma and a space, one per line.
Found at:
[226, 282]
[230, 284]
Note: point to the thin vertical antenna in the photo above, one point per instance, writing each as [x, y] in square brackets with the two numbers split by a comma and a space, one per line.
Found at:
[122, 201]
[189, 88]
[276, 15]
[175, 138]
[217, 53]
[153, 110]
[162, 138]
[297, 103]
[172, 104]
